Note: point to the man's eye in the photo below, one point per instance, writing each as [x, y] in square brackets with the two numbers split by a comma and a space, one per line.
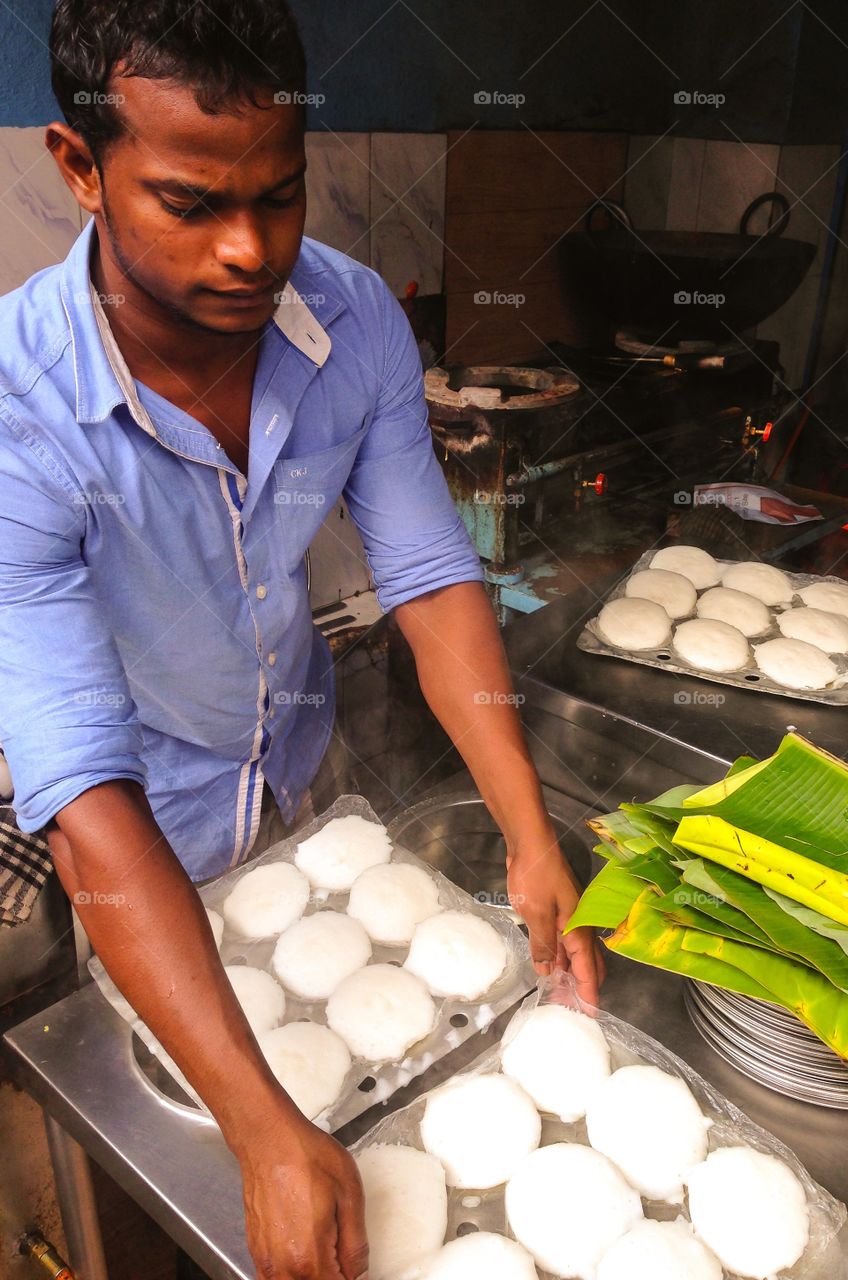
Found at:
[194, 209]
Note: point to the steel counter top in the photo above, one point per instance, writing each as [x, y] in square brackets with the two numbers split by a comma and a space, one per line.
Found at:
[76, 1059]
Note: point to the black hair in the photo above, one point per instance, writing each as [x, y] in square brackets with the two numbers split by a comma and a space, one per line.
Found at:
[226, 50]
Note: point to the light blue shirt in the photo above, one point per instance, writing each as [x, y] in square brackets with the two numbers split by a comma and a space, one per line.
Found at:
[154, 617]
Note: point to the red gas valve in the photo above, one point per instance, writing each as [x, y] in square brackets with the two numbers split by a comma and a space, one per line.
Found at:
[600, 484]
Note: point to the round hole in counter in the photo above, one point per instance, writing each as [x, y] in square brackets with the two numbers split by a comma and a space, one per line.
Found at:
[466, 1229]
[459, 1020]
[664, 657]
[366, 1085]
[752, 678]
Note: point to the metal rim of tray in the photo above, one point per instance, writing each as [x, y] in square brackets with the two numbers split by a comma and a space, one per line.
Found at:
[767, 1044]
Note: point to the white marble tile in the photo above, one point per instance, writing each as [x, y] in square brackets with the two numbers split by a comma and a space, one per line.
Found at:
[408, 209]
[39, 217]
[734, 173]
[687, 166]
[338, 191]
[648, 181]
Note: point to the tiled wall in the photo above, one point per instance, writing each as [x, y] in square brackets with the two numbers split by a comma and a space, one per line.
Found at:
[689, 184]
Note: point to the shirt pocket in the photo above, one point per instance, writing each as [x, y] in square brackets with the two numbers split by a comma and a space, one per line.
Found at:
[305, 490]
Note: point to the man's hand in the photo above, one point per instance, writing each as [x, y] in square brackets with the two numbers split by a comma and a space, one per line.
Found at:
[303, 1205]
[543, 890]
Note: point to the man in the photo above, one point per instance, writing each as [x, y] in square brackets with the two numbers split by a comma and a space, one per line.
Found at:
[181, 401]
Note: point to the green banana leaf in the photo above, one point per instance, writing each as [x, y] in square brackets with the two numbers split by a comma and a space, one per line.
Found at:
[768, 863]
[820, 924]
[798, 797]
[607, 900]
[649, 937]
[786, 933]
[694, 906]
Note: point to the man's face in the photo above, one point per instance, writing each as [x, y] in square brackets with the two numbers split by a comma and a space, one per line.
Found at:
[197, 206]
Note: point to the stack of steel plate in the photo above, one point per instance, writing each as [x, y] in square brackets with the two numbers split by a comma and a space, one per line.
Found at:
[768, 1044]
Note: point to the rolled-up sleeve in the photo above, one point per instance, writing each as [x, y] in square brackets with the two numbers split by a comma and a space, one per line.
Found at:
[397, 496]
[67, 720]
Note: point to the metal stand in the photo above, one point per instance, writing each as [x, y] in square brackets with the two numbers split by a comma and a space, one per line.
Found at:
[75, 1193]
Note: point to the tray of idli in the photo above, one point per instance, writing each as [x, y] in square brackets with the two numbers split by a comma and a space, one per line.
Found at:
[357, 965]
[740, 623]
[580, 1147]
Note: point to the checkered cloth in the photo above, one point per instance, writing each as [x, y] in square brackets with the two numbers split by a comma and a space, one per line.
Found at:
[25, 864]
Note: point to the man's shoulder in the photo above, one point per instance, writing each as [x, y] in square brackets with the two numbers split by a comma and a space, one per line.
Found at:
[347, 279]
[35, 330]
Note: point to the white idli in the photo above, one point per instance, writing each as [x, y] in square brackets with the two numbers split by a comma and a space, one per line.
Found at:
[481, 1128]
[261, 998]
[320, 951]
[763, 581]
[559, 1057]
[457, 954]
[696, 565]
[381, 1011]
[649, 1124]
[341, 851]
[216, 924]
[750, 1209]
[628, 623]
[827, 631]
[482, 1255]
[311, 1063]
[266, 901]
[659, 1251]
[711, 646]
[744, 612]
[406, 1209]
[795, 664]
[671, 591]
[390, 901]
[567, 1204]
[832, 597]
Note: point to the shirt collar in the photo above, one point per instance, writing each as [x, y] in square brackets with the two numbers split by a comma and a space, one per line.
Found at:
[101, 374]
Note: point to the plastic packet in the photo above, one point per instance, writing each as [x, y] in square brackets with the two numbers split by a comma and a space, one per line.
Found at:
[366, 1083]
[483, 1210]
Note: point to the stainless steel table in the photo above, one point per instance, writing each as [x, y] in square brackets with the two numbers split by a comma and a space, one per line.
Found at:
[77, 1060]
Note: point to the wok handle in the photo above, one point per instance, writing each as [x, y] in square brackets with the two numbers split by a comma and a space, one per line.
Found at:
[768, 197]
[617, 213]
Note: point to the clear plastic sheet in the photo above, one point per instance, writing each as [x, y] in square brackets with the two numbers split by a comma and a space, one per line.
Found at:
[824, 1257]
[748, 677]
[367, 1083]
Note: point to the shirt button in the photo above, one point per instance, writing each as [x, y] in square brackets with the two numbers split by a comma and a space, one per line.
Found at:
[261, 591]
[272, 658]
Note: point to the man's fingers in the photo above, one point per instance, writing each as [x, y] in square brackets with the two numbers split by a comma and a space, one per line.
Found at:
[583, 964]
[543, 943]
[352, 1244]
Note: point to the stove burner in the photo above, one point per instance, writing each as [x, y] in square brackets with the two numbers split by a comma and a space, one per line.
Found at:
[498, 387]
[638, 342]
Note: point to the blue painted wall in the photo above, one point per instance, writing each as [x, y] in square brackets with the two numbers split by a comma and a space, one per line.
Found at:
[417, 66]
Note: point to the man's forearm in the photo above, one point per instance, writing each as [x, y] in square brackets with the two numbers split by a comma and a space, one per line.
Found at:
[148, 926]
[464, 675]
